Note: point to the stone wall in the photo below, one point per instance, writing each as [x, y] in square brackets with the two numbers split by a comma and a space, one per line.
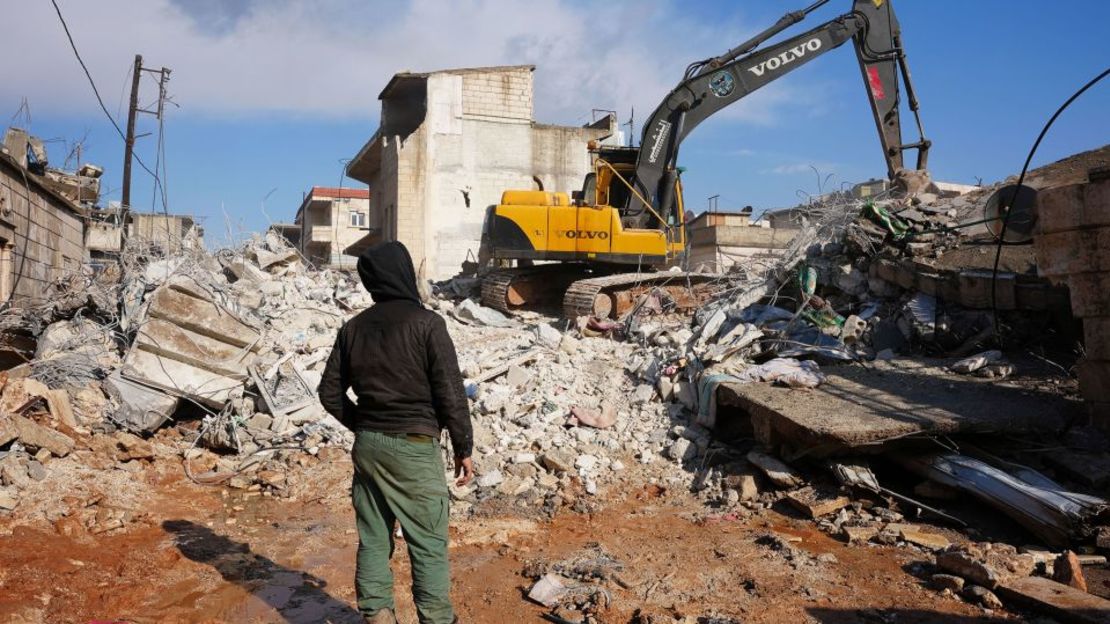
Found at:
[1073, 247]
[502, 93]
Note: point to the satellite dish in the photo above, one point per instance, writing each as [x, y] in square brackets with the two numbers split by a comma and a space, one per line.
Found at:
[1021, 204]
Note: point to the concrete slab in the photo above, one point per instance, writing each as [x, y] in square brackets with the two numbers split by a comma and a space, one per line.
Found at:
[185, 309]
[190, 346]
[167, 339]
[141, 408]
[180, 379]
[862, 406]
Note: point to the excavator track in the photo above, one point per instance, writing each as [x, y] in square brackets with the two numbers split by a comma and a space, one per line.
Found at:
[603, 296]
[528, 287]
[611, 296]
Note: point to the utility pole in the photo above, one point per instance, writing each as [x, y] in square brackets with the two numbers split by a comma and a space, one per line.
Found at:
[713, 203]
[129, 142]
[631, 125]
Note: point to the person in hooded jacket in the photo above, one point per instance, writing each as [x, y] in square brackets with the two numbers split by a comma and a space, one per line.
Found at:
[399, 361]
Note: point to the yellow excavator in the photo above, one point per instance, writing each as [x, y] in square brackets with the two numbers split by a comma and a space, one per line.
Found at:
[599, 249]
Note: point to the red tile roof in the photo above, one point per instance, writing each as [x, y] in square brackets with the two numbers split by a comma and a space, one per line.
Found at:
[339, 193]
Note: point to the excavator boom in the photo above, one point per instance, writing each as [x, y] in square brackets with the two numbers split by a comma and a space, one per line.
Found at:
[714, 84]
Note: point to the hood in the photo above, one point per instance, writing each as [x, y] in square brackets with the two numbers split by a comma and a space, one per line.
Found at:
[386, 271]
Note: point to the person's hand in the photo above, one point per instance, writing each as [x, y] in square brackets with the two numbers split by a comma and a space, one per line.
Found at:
[464, 470]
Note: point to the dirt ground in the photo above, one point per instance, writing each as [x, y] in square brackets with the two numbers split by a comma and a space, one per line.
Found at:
[206, 554]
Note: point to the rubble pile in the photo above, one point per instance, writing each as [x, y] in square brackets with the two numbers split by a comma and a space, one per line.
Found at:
[228, 347]
[564, 406]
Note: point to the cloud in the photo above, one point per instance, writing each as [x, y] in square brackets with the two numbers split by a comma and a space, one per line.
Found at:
[332, 57]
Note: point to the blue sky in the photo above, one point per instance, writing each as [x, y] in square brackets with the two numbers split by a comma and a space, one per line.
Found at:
[274, 95]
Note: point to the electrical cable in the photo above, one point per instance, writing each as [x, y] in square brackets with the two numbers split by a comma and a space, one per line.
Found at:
[96, 92]
[1006, 202]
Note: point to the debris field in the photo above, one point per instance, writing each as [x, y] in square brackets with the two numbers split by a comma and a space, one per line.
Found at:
[862, 412]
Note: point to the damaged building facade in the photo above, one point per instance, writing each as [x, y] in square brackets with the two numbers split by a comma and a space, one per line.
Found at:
[328, 221]
[41, 230]
[450, 142]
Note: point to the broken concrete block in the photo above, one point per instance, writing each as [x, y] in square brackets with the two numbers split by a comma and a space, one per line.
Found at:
[474, 314]
[238, 269]
[642, 394]
[815, 503]
[745, 485]
[568, 344]
[516, 376]
[34, 435]
[963, 564]
[548, 336]
[557, 461]
[988, 567]
[665, 387]
[267, 259]
[982, 597]
[35, 470]
[950, 582]
[141, 408]
[490, 479]
[8, 431]
[780, 474]
[89, 404]
[1102, 540]
[57, 401]
[166, 339]
[13, 472]
[547, 591]
[859, 534]
[191, 346]
[284, 389]
[132, 447]
[585, 463]
[260, 422]
[1067, 570]
[682, 450]
[928, 541]
[9, 499]
[1057, 600]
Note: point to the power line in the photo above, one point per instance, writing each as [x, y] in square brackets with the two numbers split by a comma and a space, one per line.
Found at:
[1007, 202]
[96, 92]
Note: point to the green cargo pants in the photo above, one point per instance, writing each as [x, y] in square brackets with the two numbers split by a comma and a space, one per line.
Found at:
[401, 477]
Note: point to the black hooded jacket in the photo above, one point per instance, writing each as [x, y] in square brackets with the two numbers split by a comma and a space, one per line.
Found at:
[398, 358]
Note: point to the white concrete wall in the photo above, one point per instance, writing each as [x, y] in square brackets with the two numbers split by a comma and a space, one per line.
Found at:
[480, 142]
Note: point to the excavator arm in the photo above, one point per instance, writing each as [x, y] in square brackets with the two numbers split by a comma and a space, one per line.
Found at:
[714, 84]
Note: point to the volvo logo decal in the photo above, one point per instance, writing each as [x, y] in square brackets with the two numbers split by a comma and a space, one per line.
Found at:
[722, 84]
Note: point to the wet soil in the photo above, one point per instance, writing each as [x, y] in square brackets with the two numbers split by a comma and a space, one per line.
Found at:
[208, 555]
